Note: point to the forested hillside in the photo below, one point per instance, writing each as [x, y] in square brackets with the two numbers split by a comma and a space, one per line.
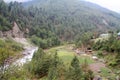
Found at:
[41, 35]
[47, 22]
[71, 18]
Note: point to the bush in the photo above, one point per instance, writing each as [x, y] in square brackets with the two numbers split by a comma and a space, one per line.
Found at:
[13, 73]
[45, 43]
[40, 63]
[100, 53]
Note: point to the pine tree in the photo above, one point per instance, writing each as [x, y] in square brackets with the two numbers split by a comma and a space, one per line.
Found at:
[75, 72]
[40, 64]
[53, 72]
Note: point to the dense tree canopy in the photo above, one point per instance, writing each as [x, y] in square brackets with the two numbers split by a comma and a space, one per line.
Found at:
[52, 20]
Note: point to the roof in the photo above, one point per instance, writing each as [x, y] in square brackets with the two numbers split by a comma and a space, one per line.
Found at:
[118, 34]
[104, 35]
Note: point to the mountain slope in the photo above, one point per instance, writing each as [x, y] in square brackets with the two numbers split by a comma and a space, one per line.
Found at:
[71, 17]
[48, 20]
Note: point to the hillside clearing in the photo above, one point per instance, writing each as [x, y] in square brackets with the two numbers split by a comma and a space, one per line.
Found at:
[66, 54]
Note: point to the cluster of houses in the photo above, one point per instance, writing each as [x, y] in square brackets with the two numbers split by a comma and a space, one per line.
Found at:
[86, 51]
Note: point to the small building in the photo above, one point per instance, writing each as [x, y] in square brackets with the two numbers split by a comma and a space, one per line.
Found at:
[104, 35]
[118, 35]
[89, 51]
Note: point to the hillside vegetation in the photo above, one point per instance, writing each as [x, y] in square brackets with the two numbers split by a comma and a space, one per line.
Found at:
[69, 18]
[49, 21]
[8, 49]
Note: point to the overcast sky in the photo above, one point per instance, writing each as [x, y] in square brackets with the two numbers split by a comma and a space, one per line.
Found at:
[110, 4]
[113, 5]
[17, 0]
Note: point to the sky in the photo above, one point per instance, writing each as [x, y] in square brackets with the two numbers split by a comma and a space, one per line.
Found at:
[113, 5]
[16, 0]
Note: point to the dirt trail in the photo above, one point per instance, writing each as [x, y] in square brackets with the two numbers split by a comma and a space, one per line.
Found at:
[96, 67]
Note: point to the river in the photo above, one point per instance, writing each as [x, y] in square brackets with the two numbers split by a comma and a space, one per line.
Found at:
[28, 52]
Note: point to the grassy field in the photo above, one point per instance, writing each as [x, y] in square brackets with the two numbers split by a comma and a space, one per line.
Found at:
[66, 54]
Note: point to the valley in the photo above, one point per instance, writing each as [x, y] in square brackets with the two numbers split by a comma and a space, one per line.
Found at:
[58, 40]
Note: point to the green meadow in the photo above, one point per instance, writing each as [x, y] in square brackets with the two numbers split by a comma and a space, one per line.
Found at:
[66, 54]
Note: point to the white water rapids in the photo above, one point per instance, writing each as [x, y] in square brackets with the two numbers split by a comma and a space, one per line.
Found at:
[28, 52]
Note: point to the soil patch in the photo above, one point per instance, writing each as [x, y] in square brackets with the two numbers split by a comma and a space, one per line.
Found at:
[96, 67]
